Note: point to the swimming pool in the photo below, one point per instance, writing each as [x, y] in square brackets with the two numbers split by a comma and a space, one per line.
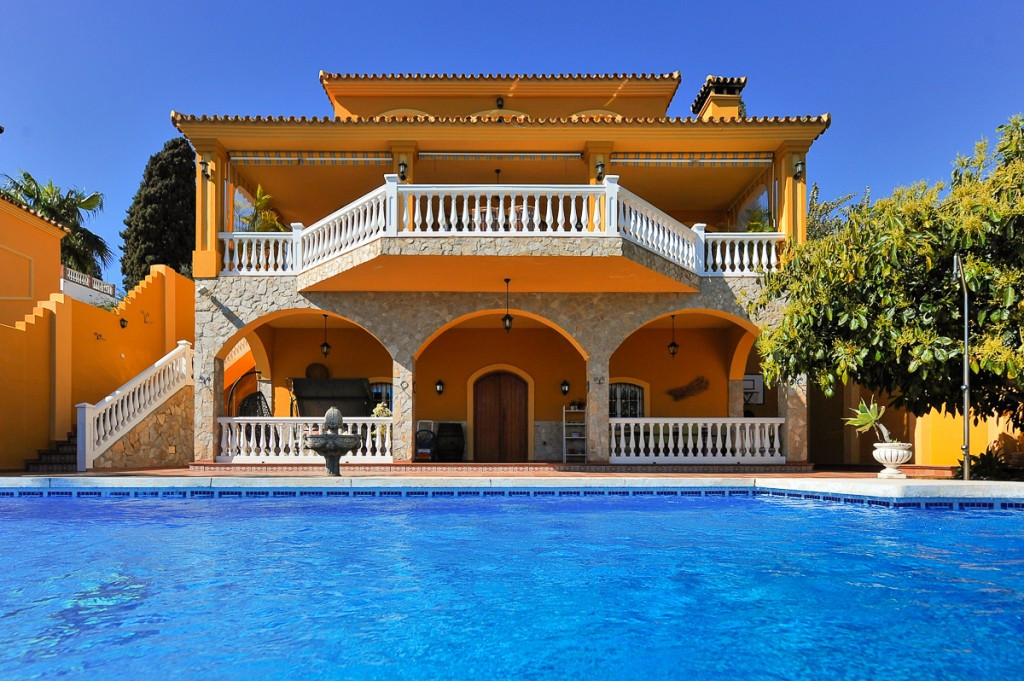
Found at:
[656, 587]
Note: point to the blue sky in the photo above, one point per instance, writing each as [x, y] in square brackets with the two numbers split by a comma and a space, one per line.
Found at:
[88, 87]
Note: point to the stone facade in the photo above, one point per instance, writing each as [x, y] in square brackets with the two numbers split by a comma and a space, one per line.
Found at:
[164, 438]
[597, 323]
[547, 440]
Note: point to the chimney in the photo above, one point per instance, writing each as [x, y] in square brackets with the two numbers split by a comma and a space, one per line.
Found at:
[719, 97]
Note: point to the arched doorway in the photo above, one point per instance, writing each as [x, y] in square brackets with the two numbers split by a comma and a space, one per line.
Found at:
[501, 418]
[460, 353]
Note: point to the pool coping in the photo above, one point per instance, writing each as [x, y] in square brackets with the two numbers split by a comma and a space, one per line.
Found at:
[908, 493]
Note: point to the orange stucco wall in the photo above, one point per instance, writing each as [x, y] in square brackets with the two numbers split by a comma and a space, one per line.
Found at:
[702, 352]
[354, 354]
[27, 368]
[29, 261]
[69, 352]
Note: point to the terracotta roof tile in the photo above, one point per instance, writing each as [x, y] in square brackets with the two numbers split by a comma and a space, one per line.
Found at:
[324, 75]
[34, 213]
[177, 118]
[710, 83]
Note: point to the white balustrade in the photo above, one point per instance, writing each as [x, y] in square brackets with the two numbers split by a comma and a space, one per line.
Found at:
[100, 425]
[605, 210]
[509, 210]
[353, 225]
[258, 253]
[282, 440]
[696, 440]
[659, 232]
[741, 254]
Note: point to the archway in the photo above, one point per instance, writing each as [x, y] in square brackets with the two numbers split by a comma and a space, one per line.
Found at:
[537, 352]
[287, 345]
[703, 379]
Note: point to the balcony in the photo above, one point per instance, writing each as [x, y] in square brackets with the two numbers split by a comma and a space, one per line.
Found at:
[400, 237]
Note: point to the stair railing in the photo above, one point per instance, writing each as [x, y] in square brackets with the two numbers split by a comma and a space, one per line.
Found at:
[102, 424]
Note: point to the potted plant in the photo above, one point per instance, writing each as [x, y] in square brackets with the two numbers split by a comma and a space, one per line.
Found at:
[888, 452]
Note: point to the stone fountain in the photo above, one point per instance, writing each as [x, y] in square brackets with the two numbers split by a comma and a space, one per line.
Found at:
[332, 444]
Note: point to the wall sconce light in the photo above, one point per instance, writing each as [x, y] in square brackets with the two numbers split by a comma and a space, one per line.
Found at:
[500, 102]
[124, 323]
[600, 170]
[798, 169]
[439, 386]
[325, 347]
[204, 166]
[565, 387]
[403, 167]
[673, 347]
[506, 321]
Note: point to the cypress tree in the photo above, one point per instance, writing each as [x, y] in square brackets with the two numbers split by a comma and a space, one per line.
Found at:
[160, 226]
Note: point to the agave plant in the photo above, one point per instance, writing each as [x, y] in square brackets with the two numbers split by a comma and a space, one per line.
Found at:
[869, 417]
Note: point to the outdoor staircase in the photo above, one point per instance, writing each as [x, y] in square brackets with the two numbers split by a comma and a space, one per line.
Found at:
[62, 458]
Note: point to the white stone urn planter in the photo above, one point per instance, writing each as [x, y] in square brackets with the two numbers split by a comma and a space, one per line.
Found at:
[892, 455]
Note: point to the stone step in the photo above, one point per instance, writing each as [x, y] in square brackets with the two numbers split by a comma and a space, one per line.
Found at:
[51, 456]
[38, 467]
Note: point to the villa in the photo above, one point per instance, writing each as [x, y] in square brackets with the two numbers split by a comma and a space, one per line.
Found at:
[548, 265]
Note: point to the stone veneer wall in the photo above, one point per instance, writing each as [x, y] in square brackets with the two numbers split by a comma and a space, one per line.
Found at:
[402, 322]
[549, 432]
[148, 444]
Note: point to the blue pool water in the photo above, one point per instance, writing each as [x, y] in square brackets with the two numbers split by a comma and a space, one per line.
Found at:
[592, 589]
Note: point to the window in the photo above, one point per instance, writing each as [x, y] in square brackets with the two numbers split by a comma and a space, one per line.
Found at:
[625, 400]
[381, 393]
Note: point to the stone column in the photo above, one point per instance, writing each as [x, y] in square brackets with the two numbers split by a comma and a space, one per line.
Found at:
[597, 408]
[266, 388]
[209, 396]
[403, 429]
[736, 404]
[793, 408]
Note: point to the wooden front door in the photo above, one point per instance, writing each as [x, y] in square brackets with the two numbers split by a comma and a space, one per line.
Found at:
[500, 418]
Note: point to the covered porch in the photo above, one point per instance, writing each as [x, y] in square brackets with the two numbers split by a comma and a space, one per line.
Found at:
[679, 390]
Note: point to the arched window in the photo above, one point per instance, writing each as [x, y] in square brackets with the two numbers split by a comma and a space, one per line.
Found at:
[625, 400]
[381, 393]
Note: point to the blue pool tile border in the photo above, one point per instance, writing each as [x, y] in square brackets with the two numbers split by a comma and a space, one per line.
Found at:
[244, 492]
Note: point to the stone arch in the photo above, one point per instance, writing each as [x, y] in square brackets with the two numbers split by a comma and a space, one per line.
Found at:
[252, 326]
[452, 323]
[741, 322]
[706, 379]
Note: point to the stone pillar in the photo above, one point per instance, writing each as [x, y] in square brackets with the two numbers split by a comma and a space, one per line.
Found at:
[736, 404]
[209, 396]
[793, 408]
[597, 408]
[403, 429]
[266, 388]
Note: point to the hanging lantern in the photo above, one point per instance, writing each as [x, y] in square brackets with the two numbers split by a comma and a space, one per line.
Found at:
[325, 347]
[673, 347]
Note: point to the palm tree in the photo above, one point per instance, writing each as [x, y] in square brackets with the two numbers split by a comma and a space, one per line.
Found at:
[81, 249]
[262, 218]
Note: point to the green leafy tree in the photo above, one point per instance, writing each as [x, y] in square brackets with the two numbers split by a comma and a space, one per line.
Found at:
[161, 222]
[875, 302]
[81, 249]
